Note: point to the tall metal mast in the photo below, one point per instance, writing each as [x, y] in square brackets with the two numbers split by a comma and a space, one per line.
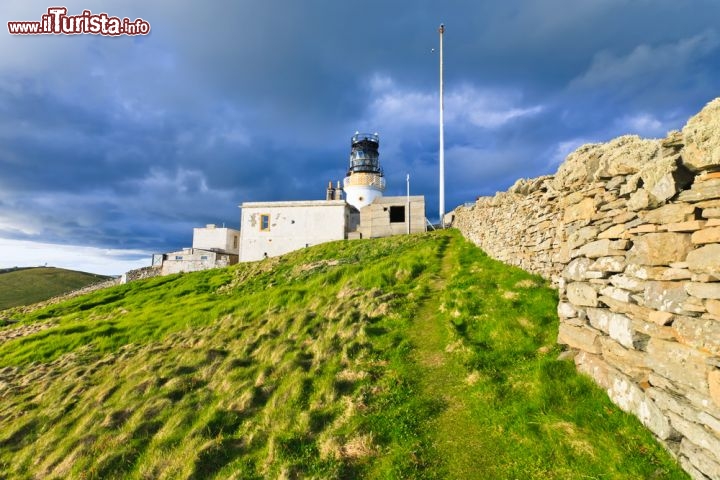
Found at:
[442, 135]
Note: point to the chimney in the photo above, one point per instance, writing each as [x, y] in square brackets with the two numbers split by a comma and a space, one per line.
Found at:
[330, 194]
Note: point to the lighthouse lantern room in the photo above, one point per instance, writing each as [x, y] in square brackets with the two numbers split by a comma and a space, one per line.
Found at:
[364, 181]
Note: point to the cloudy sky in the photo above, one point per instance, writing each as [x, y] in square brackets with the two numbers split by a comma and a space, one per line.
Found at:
[112, 148]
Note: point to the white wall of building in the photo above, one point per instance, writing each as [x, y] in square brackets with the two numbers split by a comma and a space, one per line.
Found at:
[214, 238]
[289, 226]
[193, 260]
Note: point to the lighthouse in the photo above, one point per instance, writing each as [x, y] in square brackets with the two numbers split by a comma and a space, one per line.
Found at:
[364, 181]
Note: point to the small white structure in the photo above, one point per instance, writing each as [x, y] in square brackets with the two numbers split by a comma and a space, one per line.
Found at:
[213, 247]
[217, 239]
[269, 229]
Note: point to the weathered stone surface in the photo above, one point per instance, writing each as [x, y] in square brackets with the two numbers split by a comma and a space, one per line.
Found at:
[582, 338]
[670, 213]
[634, 311]
[714, 386]
[596, 368]
[709, 189]
[632, 363]
[577, 268]
[665, 296]
[657, 273]
[701, 459]
[641, 200]
[630, 398]
[627, 282]
[665, 177]
[582, 210]
[679, 363]
[660, 248]
[711, 213]
[701, 136]
[617, 294]
[700, 333]
[609, 264]
[661, 318]
[705, 259]
[713, 306]
[566, 310]
[667, 401]
[695, 433]
[603, 248]
[689, 226]
[703, 290]
[614, 232]
[707, 235]
[582, 294]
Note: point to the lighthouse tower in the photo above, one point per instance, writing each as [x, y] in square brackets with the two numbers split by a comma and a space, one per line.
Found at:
[364, 181]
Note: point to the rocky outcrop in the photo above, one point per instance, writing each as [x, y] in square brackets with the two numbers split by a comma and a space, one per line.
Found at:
[629, 232]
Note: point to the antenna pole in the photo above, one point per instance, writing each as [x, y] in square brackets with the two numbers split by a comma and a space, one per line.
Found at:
[442, 135]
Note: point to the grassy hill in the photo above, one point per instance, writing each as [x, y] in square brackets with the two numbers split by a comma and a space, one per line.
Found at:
[23, 286]
[407, 357]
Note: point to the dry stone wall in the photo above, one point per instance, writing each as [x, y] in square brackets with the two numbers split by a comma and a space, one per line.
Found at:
[629, 232]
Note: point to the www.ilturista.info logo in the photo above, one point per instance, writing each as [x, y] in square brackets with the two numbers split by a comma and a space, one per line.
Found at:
[58, 22]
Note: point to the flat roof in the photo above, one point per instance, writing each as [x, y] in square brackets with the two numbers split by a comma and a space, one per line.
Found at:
[295, 203]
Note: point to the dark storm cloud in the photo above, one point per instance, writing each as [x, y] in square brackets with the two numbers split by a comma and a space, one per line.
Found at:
[131, 142]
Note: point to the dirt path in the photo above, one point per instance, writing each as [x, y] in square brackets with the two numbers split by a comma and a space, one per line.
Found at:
[456, 437]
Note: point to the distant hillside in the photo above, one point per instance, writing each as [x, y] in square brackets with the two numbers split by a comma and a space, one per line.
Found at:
[406, 357]
[23, 286]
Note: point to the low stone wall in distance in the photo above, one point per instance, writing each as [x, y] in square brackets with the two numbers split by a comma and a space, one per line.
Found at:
[629, 232]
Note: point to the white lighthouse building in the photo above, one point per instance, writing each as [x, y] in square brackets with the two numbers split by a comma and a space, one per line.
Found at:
[364, 181]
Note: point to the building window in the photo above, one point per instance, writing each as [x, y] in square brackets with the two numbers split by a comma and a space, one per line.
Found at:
[235, 241]
[264, 222]
[178, 257]
[397, 214]
[204, 257]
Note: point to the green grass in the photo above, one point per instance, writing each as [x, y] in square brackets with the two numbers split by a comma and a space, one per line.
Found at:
[408, 357]
[24, 286]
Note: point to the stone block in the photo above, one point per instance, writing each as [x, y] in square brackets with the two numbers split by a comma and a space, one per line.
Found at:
[714, 386]
[706, 235]
[614, 264]
[657, 273]
[617, 294]
[646, 330]
[660, 248]
[614, 232]
[705, 259]
[703, 290]
[705, 462]
[665, 296]
[679, 363]
[701, 333]
[664, 178]
[707, 190]
[695, 433]
[577, 268]
[604, 248]
[628, 361]
[566, 310]
[634, 311]
[627, 282]
[711, 213]
[582, 294]
[712, 307]
[669, 213]
[626, 395]
[582, 210]
[701, 136]
[581, 338]
[668, 401]
[596, 368]
[661, 318]
[689, 226]
[641, 200]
